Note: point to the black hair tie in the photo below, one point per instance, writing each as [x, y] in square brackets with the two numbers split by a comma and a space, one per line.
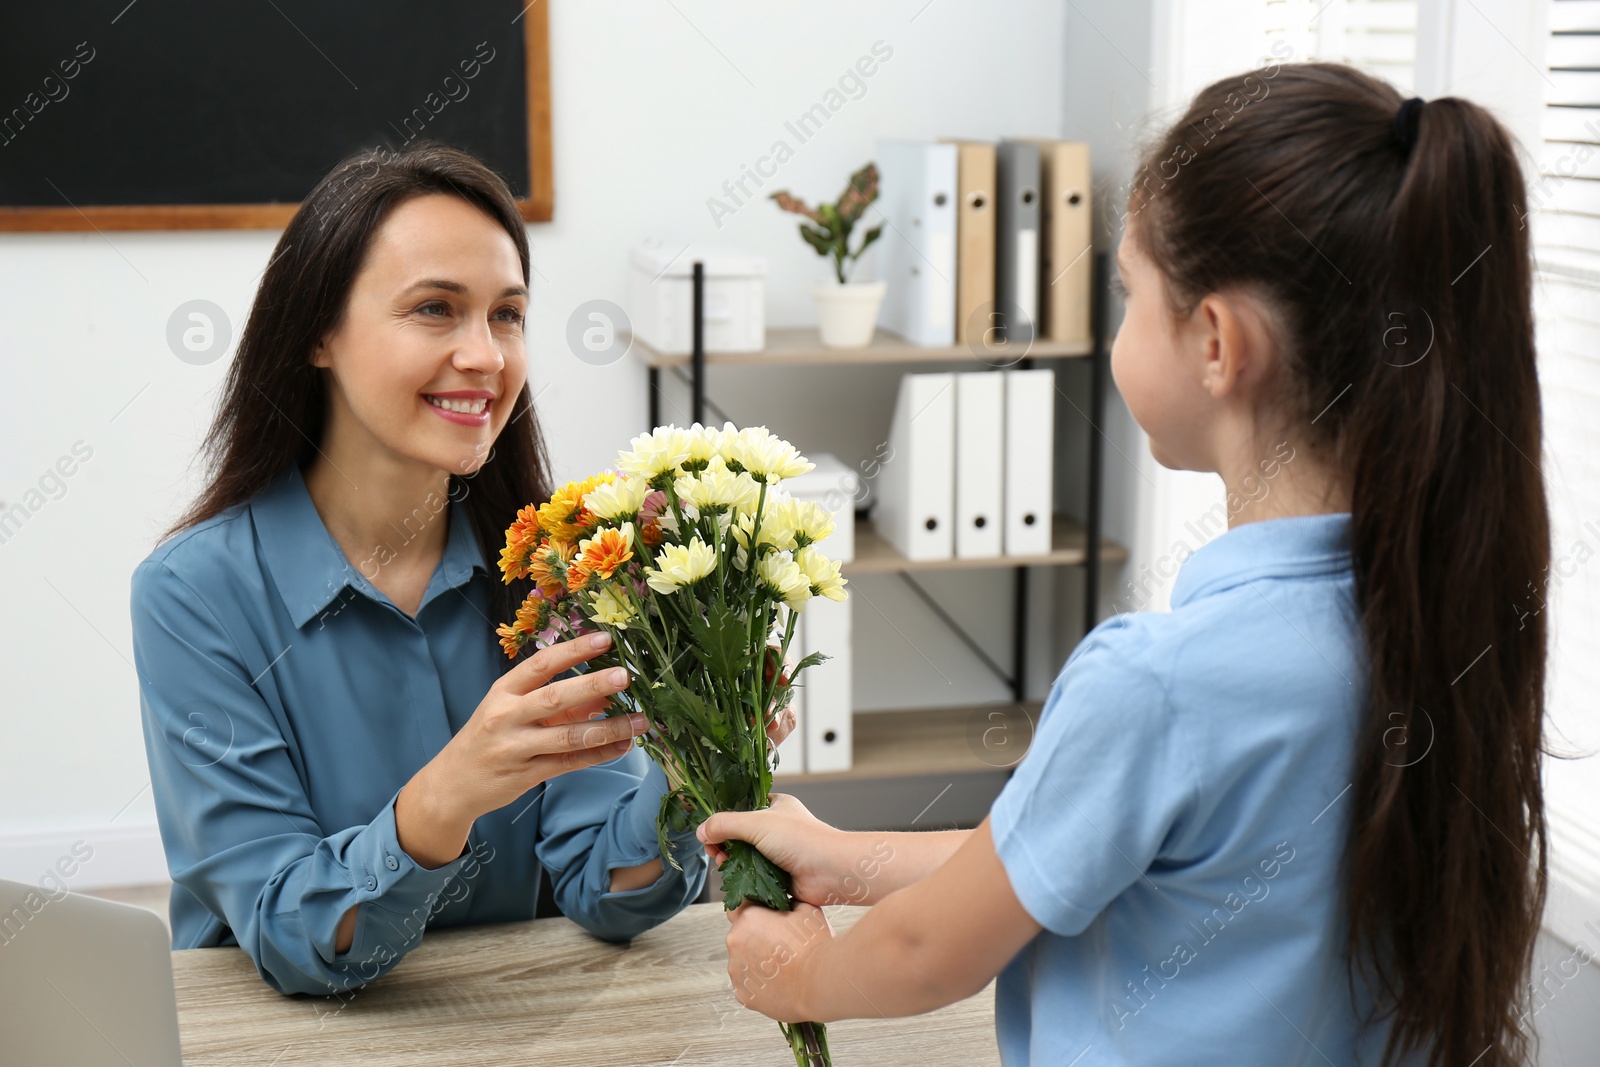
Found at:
[1405, 123]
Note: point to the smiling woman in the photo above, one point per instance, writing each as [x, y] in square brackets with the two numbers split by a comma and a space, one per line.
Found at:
[326, 792]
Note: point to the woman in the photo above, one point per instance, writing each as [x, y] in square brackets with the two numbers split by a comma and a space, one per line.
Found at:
[340, 753]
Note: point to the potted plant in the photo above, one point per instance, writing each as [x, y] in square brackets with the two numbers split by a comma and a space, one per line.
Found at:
[847, 312]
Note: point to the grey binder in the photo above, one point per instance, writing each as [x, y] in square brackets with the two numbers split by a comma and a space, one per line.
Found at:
[1017, 240]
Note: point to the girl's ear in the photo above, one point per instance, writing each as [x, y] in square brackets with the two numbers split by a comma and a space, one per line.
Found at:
[1217, 328]
[1237, 343]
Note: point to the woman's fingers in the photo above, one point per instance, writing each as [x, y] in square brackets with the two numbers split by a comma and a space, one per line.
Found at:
[556, 763]
[556, 701]
[537, 670]
[578, 712]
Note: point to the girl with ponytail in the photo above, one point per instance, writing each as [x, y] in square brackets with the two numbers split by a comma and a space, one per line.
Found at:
[1298, 819]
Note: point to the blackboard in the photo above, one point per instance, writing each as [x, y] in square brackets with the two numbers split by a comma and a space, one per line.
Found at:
[179, 114]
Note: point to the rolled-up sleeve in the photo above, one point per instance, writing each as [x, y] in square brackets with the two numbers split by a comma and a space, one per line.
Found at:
[235, 819]
[601, 818]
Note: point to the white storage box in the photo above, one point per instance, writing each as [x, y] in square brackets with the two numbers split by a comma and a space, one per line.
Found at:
[837, 488]
[661, 295]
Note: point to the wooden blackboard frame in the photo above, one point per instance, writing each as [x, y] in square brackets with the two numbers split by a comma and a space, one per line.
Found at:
[538, 207]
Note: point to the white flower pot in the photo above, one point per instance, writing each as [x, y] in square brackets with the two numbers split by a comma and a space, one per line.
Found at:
[847, 314]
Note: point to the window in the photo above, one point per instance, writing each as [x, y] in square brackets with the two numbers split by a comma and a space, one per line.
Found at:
[1564, 205]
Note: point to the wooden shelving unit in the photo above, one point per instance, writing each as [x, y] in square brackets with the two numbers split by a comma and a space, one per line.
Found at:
[921, 741]
[800, 347]
[1069, 545]
[973, 739]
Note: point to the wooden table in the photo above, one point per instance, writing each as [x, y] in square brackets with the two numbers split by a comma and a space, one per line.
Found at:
[543, 992]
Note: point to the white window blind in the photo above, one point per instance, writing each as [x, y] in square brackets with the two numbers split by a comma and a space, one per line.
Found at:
[1377, 36]
[1564, 204]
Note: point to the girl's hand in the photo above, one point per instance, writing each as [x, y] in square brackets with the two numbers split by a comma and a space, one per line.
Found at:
[770, 956]
[817, 856]
[527, 730]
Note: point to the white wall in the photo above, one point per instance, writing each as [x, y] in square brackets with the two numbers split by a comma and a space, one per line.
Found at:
[655, 107]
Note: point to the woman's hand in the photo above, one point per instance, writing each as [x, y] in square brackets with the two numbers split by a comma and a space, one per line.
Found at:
[769, 957]
[527, 730]
[819, 858]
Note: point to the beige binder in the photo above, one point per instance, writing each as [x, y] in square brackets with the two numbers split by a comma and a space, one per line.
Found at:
[1067, 263]
[974, 237]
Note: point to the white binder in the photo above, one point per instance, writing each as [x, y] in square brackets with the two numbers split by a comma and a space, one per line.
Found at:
[825, 628]
[1030, 443]
[916, 483]
[917, 195]
[980, 463]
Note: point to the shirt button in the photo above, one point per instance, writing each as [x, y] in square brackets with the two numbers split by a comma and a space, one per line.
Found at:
[372, 883]
[390, 862]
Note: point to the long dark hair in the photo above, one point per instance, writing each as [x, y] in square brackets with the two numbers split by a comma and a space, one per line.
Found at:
[274, 400]
[1396, 271]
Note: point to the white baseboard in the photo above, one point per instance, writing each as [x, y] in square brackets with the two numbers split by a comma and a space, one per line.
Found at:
[98, 857]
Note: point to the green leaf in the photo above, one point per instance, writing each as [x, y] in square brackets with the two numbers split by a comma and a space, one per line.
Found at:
[719, 641]
[748, 875]
[867, 239]
[809, 661]
[818, 239]
[674, 815]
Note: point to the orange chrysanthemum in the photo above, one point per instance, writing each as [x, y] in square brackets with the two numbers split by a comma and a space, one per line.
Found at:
[533, 615]
[544, 568]
[578, 575]
[651, 534]
[608, 550]
[522, 538]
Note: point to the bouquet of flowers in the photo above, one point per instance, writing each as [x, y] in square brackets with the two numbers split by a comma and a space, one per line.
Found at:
[695, 562]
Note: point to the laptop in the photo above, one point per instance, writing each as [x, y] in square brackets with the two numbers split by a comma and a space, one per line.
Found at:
[84, 982]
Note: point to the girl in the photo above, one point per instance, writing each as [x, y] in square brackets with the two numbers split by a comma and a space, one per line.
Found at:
[1298, 819]
[340, 754]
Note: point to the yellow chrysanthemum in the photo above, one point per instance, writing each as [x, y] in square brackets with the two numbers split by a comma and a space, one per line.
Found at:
[680, 565]
[611, 609]
[809, 520]
[718, 487]
[663, 449]
[776, 527]
[783, 578]
[618, 499]
[564, 517]
[821, 572]
[766, 456]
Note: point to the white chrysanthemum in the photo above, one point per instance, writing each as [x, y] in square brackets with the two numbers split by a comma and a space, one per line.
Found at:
[717, 486]
[821, 572]
[679, 565]
[620, 499]
[610, 609]
[661, 450]
[766, 456]
[783, 577]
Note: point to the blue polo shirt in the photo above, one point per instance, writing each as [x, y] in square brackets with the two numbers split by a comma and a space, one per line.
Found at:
[1178, 823]
[285, 702]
